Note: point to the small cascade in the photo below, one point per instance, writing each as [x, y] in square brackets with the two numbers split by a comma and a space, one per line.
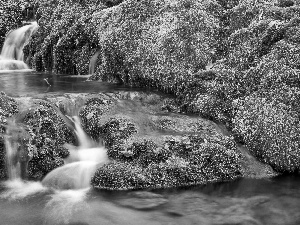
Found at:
[13, 166]
[93, 61]
[80, 165]
[83, 139]
[12, 56]
[13, 149]
[16, 163]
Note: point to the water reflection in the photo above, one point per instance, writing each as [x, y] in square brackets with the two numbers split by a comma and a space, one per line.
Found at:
[29, 83]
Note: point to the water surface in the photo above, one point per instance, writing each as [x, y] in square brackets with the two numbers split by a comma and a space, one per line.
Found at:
[244, 202]
[30, 83]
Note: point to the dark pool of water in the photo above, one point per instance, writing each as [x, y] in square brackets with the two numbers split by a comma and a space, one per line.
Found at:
[29, 83]
[246, 201]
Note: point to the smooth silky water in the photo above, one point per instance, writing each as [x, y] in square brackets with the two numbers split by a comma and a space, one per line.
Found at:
[244, 201]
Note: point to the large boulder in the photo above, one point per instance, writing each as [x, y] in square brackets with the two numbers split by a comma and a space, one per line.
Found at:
[65, 41]
[156, 43]
[270, 127]
[149, 148]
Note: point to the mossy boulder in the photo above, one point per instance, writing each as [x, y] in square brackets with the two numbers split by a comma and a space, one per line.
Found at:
[156, 43]
[269, 125]
[65, 41]
[182, 161]
[13, 13]
[48, 135]
[91, 113]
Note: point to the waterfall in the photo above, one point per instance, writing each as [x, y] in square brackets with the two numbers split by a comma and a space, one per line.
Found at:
[80, 165]
[11, 140]
[13, 166]
[12, 56]
[93, 61]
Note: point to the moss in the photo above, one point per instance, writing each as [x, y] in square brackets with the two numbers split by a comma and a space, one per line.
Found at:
[183, 161]
[269, 125]
[91, 114]
[48, 134]
[13, 13]
[143, 38]
[65, 41]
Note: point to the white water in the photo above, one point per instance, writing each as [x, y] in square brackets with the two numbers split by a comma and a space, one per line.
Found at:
[75, 174]
[11, 139]
[80, 165]
[13, 168]
[93, 61]
[63, 205]
[12, 56]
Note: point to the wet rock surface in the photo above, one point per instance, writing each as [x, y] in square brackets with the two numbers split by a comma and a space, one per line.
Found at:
[149, 147]
[153, 148]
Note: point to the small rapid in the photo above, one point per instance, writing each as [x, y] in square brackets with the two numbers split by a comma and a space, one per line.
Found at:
[80, 165]
[66, 188]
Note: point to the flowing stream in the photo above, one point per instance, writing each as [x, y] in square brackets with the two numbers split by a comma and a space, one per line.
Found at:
[65, 197]
[244, 201]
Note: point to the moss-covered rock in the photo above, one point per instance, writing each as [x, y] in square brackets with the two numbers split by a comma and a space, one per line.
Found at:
[269, 125]
[48, 135]
[65, 41]
[156, 43]
[91, 114]
[182, 161]
[13, 13]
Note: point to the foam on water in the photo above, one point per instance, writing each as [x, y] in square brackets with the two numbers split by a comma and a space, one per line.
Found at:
[63, 204]
[12, 56]
[18, 189]
[81, 164]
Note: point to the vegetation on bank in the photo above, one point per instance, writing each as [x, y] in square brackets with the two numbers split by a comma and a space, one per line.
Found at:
[235, 62]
